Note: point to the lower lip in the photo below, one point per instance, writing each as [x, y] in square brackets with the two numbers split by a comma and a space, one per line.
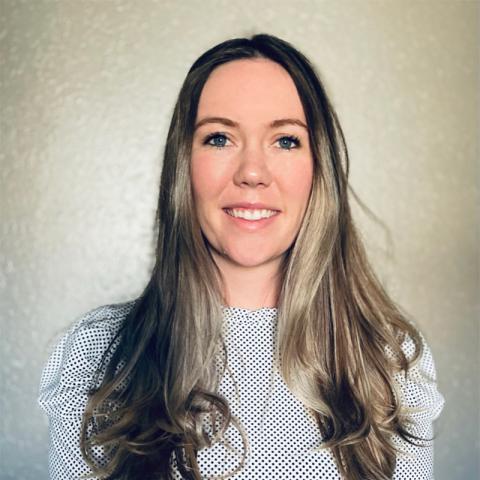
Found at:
[253, 225]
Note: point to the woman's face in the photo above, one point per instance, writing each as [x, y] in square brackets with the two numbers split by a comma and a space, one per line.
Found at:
[251, 162]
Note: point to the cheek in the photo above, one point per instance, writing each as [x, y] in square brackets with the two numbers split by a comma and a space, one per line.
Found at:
[208, 179]
[297, 183]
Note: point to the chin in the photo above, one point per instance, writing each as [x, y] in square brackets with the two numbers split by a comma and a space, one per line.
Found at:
[249, 259]
[249, 263]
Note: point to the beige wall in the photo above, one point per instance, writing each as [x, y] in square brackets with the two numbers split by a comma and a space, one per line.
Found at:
[87, 88]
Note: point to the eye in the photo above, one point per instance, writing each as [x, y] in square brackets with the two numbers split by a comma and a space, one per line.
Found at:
[218, 140]
[288, 142]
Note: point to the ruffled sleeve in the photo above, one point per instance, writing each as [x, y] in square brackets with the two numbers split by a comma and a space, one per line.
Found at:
[66, 379]
[422, 404]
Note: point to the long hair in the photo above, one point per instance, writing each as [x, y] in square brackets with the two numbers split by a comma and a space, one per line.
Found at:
[338, 338]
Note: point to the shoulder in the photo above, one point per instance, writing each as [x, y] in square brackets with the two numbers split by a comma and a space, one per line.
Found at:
[69, 371]
[89, 336]
[420, 397]
[107, 318]
[92, 332]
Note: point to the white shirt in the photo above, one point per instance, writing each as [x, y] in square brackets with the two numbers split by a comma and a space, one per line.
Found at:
[281, 433]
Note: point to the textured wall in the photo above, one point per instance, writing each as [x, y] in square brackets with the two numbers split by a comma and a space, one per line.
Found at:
[87, 88]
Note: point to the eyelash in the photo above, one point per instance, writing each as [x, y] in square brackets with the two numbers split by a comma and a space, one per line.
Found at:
[292, 138]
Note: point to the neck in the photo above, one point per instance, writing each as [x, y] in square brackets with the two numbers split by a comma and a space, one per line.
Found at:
[250, 287]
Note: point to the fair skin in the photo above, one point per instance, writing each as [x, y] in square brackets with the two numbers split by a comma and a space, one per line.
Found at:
[250, 146]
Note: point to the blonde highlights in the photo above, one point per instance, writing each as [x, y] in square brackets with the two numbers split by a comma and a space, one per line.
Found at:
[338, 339]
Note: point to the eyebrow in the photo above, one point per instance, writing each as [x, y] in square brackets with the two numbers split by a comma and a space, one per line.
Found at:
[230, 123]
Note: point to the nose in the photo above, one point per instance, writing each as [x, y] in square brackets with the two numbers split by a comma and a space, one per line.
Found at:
[252, 169]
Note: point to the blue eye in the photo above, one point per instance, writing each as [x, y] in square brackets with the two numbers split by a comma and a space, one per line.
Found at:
[217, 140]
[288, 142]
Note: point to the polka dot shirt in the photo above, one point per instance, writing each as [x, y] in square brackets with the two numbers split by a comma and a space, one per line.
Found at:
[282, 435]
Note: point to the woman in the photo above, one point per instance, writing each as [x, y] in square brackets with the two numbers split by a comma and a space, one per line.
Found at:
[263, 346]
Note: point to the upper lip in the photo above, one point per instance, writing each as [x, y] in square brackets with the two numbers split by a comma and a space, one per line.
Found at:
[251, 206]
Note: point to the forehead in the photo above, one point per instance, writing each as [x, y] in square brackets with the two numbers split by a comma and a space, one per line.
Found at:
[250, 90]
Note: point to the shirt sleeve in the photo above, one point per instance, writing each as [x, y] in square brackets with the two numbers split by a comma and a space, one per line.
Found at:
[422, 403]
[66, 379]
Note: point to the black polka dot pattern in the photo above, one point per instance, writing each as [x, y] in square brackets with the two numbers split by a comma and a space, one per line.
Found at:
[282, 436]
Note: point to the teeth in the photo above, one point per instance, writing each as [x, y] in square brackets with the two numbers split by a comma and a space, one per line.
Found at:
[251, 214]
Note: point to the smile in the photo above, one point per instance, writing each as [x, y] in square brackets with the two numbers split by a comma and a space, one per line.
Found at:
[250, 214]
[251, 220]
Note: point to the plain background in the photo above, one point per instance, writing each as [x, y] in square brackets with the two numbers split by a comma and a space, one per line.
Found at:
[87, 90]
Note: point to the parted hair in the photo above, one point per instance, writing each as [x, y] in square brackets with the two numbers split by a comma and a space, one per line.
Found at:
[338, 339]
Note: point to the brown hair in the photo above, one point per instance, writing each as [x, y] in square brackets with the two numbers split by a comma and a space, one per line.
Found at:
[339, 336]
